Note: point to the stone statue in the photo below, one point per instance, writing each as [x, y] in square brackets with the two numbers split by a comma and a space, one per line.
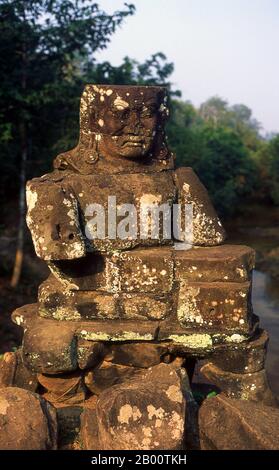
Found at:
[120, 313]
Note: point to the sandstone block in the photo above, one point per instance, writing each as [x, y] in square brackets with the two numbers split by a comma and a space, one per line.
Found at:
[223, 306]
[27, 421]
[50, 350]
[97, 330]
[229, 424]
[7, 369]
[89, 305]
[243, 358]
[136, 416]
[88, 273]
[67, 388]
[89, 430]
[13, 372]
[24, 377]
[137, 354]
[252, 386]
[107, 374]
[90, 353]
[146, 271]
[64, 304]
[225, 263]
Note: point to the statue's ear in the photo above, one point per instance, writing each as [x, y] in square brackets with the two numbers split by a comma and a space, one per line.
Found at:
[61, 161]
[160, 149]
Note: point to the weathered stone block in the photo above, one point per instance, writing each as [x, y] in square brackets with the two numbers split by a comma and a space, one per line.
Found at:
[49, 349]
[27, 421]
[146, 271]
[13, 372]
[135, 415]
[137, 354]
[145, 307]
[225, 263]
[243, 358]
[97, 330]
[107, 374]
[24, 378]
[68, 388]
[89, 305]
[228, 424]
[90, 353]
[74, 304]
[89, 430]
[226, 306]
[253, 386]
[117, 331]
[8, 369]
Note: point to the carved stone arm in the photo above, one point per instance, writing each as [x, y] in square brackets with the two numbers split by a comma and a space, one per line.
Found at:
[53, 219]
[207, 227]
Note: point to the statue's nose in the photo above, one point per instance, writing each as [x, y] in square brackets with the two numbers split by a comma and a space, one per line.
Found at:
[133, 125]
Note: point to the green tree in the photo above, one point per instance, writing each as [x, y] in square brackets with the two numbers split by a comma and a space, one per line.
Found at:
[153, 71]
[270, 162]
[182, 132]
[217, 112]
[214, 111]
[225, 168]
[217, 154]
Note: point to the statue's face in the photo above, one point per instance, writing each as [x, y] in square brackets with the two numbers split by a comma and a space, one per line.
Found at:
[126, 120]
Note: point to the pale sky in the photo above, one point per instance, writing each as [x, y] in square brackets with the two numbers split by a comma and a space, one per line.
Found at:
[219, 47]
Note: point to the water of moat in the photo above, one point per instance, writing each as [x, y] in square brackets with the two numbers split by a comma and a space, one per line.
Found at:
[259, 228]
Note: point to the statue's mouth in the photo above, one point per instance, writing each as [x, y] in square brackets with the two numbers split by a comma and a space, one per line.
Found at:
[133, 141]
[132, 144]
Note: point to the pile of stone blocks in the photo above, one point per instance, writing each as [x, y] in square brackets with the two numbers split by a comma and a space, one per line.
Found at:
[120, 323]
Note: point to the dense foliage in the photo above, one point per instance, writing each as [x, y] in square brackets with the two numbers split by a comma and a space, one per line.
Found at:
[215, 141]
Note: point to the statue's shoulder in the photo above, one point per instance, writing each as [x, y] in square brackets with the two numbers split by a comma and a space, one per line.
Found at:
[52, 178]
[189, 183]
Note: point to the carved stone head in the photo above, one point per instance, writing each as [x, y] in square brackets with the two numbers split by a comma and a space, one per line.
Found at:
[119, 122]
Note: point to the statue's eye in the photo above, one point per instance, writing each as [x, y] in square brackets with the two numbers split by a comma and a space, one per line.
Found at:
[121, 113]
[148, 112]
[124, 114]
